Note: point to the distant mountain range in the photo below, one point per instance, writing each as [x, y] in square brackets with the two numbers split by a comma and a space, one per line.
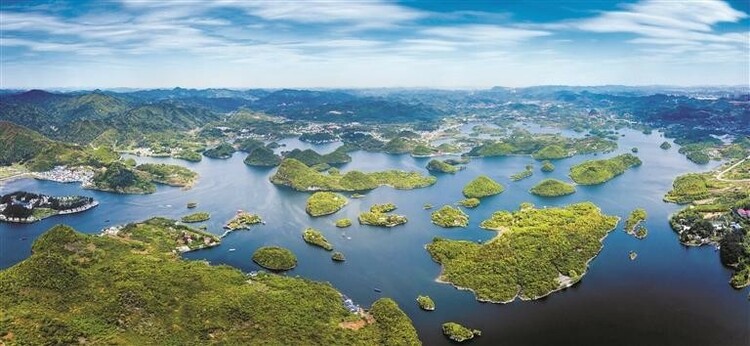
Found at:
[81, 116]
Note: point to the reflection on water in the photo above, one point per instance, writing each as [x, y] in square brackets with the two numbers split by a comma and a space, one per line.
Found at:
[669, 295]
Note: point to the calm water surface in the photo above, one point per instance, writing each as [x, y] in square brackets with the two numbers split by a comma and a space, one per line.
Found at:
[670, 295]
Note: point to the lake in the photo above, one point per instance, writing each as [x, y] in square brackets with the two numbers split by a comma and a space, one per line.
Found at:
[670, 295]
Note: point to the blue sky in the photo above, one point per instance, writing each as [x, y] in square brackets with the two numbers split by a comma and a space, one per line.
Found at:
[372, 43]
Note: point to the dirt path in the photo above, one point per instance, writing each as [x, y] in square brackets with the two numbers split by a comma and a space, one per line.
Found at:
[719, 176]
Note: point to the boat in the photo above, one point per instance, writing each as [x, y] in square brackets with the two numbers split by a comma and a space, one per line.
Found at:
[192, 205]
[232, 249]
[377, 290]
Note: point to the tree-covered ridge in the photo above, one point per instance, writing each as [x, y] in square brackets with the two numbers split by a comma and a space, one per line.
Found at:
[536, 252]
[119, 178]
[448, 216]
[482, 186]
[542, 146]
[718, 212]
[594, 172]
[22, 145]
[125, 290]
[311, 158]
[552, 188]
[299, 176]
[315, 237]
[324, 203]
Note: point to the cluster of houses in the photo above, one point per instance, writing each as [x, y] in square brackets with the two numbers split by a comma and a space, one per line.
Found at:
[62, 174]
[188, 241]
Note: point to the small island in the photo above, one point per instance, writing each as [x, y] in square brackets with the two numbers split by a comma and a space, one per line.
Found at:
[552, 188]
[469, 202]
[379, 216]
[275, 258]
[27, 207]
[314, 237]
[529, 171]
[242, 220]
[119, 178]
[262, 157]
[547, 166]
[665, 145]
[172, 175]
[594, 172]
[222, 151]
[448, 216]
[343, 223]
[459, 333]
[338, 257]
[325, 203]
[426, 303]
[535, 252]
[442, 167]
[551, 152]
[632, 255]
[634, 223]
[482, 186]
[196, 217]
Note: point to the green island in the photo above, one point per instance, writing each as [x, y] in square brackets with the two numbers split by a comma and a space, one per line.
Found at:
[551, 152]
[262, 157]
[632, 255]
[634, 223]
[383, 207]
[172, 175]
[552, 188]
[299, 176]
[665, 145]
[482, 186]
[27, 207]
[594, 172]
[717, 212]
[242, 220]
[448, 216]
[311, 158]
[338, 257]
[376, 217]
[222, 151]
[426, 303]
[275, 258]
[469, 202]
[459, 333]
[547, 166]
[535, 252]
[442, 167]
[343, 223]
[77, 288]
[529, 171]
[196, 217]
[324, 203]
[542, 146]
[314, 237]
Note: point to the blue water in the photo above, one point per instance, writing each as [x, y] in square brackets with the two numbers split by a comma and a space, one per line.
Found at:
[670, 295]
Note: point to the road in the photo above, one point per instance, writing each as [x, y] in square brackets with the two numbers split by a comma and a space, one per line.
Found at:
[719, 176]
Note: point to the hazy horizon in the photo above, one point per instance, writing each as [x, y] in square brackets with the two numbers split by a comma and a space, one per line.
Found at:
[372, 44]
